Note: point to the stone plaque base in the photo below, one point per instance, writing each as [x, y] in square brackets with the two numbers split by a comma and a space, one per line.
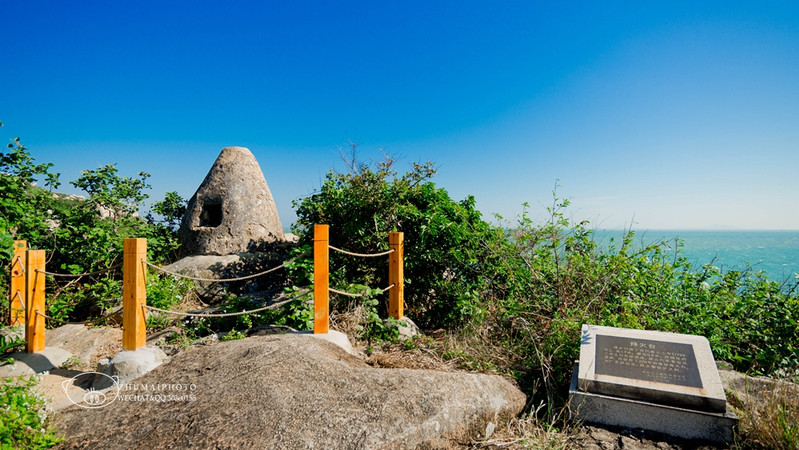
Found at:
[666, 368]
[679, 422]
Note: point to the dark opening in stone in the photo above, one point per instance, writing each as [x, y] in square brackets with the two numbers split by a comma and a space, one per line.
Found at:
[211, 215]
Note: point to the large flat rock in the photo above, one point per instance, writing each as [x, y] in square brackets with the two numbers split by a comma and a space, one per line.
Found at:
[87, 344]
[230, 266]
[290, 391]
[26, 364]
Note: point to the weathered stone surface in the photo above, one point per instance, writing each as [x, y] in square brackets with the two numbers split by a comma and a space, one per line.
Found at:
[668, 368]
[230, 266]
[679, 422]
[128, 365]
[13, 333]
[294, 391]
[85, 343]
[662, 382]
[30, 363]
[232, 211]
[619, 438]
[407, 329]
[334, 337]
[753, 389]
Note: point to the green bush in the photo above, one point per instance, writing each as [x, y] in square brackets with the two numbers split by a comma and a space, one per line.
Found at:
[297, 313]
[558, 279]
[164, 292]
[24, 419]
[447, 262]
[527, 288]
[8, 344]
[80, 235]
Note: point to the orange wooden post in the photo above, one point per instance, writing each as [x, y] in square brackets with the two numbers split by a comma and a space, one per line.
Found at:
[396, 267]
[16, 295]
[134, 294]
[321, 281]
[34, 301]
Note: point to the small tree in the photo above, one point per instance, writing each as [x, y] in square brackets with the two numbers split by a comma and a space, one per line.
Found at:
[23, 206]
[445, 240]
[121, 195]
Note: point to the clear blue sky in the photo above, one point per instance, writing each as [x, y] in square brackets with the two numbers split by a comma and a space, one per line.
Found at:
[660, 114]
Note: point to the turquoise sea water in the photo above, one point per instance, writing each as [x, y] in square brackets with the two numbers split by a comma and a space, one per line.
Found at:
[774, 252]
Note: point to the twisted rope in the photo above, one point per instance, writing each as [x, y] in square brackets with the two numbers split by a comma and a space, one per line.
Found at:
[18, 295]
[78, 275]
[18, 260]
[63, 322]
[362, 255]
[240, 313]
[351, 295]
[223, 280]
[346, 294]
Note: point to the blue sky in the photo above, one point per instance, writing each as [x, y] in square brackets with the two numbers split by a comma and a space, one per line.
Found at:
[651, 114]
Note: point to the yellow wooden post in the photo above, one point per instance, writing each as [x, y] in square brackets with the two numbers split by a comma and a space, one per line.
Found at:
[16, 295]
[321, 281]
[396, 267]
[134, 294]
[34, 301]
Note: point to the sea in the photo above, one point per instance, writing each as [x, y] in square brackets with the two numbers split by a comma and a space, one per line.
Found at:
[776, 253]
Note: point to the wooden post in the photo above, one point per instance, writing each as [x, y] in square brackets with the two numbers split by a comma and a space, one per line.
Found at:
[321, 281]
[34, 300]
[134, 294]
[396, 267]
[17, 290]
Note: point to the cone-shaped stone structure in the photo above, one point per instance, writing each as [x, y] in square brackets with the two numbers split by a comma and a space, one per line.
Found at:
[232, 210]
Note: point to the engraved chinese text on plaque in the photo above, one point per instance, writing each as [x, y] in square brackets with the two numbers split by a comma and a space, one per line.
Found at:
[648, 360]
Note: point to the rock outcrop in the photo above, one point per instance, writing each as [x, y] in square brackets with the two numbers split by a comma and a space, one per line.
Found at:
[231, 266]
[232, 211]
[294, 391]
[87, 344]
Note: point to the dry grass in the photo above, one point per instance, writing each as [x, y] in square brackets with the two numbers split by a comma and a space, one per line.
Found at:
[768, 410]
[531, 432]
[410, 359]
[769, 416]
[541, 427]
[348, 321]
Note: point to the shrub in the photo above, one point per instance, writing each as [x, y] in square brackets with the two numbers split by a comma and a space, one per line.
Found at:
[558, 279]
[24, 416]
[527, 288]
[80, 235]
[447, 262]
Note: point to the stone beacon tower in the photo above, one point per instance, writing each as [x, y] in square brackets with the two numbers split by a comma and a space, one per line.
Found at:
[232, 211]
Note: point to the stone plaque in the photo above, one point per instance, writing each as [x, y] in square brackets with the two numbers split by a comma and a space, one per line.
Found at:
[644, 359]
[666, 368]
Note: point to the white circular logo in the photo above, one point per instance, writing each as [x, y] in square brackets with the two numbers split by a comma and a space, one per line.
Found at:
[91, 399]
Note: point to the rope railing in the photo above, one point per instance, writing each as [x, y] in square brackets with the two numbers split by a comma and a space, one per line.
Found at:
[18, 284]
[18, 296]
[362, 255]
[29, 291]
[18, 260]
[85, 322]
[322, 289]
[239, 313]
[78, 275]
[353, 295]
[225, 280]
